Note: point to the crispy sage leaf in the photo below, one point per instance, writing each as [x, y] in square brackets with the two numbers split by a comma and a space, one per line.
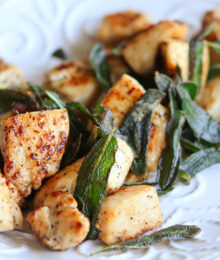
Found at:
[202, 124]
[196, 48]
[191, 88]
[214, 71]
[215, 46]
[176, 232]
[189, 145]
[169, 161]
[198, 161]
[137, 125]
[99, 63]
[9, 98]
[92, 179]
[60, 53]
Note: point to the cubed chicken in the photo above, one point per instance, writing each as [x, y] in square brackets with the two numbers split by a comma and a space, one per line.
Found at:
[10, 213]
[11, 76]
[118, 67]
[117, 27]
[58, 223]
[204, 72]
[32, 146]
[122, 96]
[65, 180]
[175, 53]
[75, 82]
[128, 213]
[211, 98]
[140, 51]
[210, 17]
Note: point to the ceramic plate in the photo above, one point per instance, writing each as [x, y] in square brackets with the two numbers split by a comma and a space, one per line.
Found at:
[30, 30]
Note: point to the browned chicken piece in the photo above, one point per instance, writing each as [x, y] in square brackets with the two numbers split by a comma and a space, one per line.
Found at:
[118, 67]
[128, 213]
[122, 96]
[204, 73]
[32, 146]
[75, 82]
[11, 76]
[211, 98]
[10, 213]
[58, 224]
[117, 27]
[210, 17]
[140, 51]
[65, 180]
[175, 53]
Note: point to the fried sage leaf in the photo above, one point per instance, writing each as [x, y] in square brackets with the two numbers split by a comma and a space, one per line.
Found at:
[214, 71]
[169, 161]
[215, 46]
[60, 53]
[92, 179]
[176, 232]
[137, 125]
[196, 50]
[9, 98]
[99, 63]
[202, 124]
[197, 162]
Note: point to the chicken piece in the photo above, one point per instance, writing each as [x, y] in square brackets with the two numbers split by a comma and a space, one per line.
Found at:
[75, 82]
[204, 73]
[211, 98]
[210, 17]
[11, 76]
[176, 53]
[117, 67]
[128, 213]
[122, 96]
[140, 51]
[58, 224]
[65, 180]
[10, 213]
[32, 146]
[117, 27]
[157, 141]
[123, 160]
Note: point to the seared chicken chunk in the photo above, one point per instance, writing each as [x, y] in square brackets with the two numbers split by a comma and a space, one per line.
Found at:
[58, 223]
[204, 72]
[210, 17]
[10, 213]
[32, 146]
[65, 180]
[157, 137]
[122, 96]
[128, 213]
[10, 76]
[176, 53]
[75, 82]
[117, 27]
[140, 51]
[211, 98]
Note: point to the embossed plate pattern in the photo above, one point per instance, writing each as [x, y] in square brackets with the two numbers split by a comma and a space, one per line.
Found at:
[30, 30]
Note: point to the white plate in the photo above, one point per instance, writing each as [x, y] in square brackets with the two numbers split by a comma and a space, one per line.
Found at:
[29, 31]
